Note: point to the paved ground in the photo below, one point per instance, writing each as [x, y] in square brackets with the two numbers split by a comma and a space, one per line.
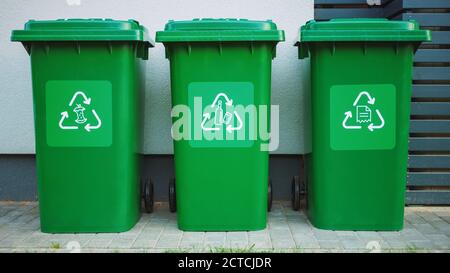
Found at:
[427, 229]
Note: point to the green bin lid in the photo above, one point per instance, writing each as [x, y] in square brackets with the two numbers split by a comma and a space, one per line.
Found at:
[207, 29]
[363, 29]
[82, 30]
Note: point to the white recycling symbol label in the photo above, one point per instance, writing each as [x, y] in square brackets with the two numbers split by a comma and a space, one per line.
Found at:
[79, 117]
[363, 114]
[221, 116]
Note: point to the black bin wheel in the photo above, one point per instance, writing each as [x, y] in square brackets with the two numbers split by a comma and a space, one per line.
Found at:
[295, 193]
[148, 195]
[172, 196]
[269, 197]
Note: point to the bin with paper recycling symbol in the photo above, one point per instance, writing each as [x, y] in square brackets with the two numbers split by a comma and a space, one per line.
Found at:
[362, 117]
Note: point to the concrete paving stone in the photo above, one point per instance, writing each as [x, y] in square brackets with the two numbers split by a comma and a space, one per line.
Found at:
[144, 243]
[193, 237]
[173, 230]
[84, 238]
[106, 236]
[347, 233]
[426, 229]
[237, 244]
[152, 229]
[330, 244]
[398, 244]
[353, 244]
[283, 244]
[215, 236]
[258, 232]
[300, 226]
[260, 242]
[442, 226]
[274, 235]
[282, 224]
[122, 242]
[368, 235]
[290, 212]
[446, 218]
[324, 234]
[428, 216]
[13, 214]
[168, 241]
[424, 244]
[441, 211]
[258, 236]
[157, 222]
[411, 234]
[23, 219]
[12, 241]
[439, 241]
[416, 219]
[307, 244]
[5, 210]
[237, 238]
[304, 237]
[98, 243]
[276, 216]
[296, 232]
[4, 234]
[30, 242]
[198, 244]
[375, 245]
[390, 235]
[211, 245]
[134, 231]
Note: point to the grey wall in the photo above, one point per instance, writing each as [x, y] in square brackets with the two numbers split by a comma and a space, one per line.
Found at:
[18, 181]
[289, 75]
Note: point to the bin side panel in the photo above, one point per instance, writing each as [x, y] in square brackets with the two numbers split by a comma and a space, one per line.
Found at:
[221, 184]
[360, 183]
[88, 174]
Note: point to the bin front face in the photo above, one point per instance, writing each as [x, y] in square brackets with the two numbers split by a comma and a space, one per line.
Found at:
[86, 97]
[221, 184]
[361, 96]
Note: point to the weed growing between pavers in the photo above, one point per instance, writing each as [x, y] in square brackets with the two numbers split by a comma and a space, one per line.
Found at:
[55, 245]
[232, 250]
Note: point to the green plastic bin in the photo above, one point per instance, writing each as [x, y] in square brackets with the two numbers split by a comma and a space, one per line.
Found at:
[361, 75]
[220, 64]
[86, 88]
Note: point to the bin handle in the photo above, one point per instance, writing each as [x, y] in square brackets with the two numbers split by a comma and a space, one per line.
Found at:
[303, 50]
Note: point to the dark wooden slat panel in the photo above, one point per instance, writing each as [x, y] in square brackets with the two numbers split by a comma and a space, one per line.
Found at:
[393, 8]
[429, 161]
[429, 179]
[424, 4]
[431, 73]
[439, 38]
[397, 6]
[430, 108]
[432, 55]
[428, 19]
[429, 144]
[427, 197]
[431, 91]
[430, 126]
[346, 2]
[325, 14]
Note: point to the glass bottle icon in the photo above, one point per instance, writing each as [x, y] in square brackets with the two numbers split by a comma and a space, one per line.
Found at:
[79, 110]
[218, 117]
